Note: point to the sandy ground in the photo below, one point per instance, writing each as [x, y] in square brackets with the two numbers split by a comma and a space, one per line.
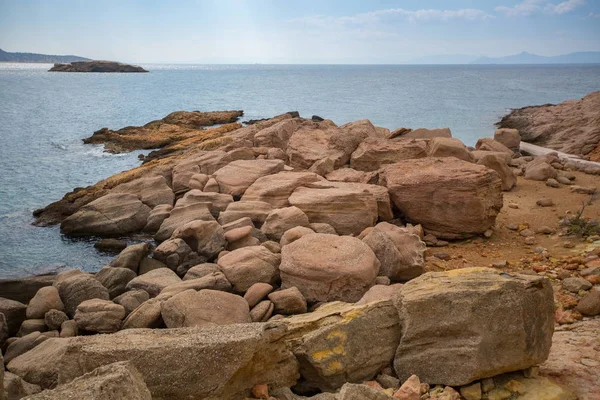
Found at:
[508, 245]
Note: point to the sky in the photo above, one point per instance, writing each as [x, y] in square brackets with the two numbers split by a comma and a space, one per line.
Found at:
[305, 32]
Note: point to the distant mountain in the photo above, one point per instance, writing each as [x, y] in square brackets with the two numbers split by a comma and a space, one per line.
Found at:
[37, 58]
[589, 57]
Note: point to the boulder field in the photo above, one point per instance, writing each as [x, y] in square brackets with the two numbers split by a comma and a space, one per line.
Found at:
[286, 260]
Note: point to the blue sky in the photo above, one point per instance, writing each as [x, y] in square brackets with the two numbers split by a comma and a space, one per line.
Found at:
[280, 31]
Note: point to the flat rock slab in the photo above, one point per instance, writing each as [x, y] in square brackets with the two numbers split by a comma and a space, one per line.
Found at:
[190, 363]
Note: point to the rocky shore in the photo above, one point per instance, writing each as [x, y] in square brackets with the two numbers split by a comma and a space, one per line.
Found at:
[96, 66]
[572, 126]
[293, 258]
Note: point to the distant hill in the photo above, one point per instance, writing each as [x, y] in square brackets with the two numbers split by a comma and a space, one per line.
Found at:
[444, 59]
[37, 58]
[589, 57]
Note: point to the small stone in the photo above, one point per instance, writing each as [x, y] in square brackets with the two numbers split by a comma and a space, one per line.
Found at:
[442, 256]
[487, 384]
[527, 232]
[564, 180]
[513, 205]
[471, 392]
[530, 240]
[69, 329]
[568, 245]
[574, 285]
[588, 362]
[383, 280]
[488, 234]
[552, 183]
[545, 202]
[388, 381]
[410, 390]
[260, 391]
[441, 243]
[257, 292]
[499, 264]
[514, 386]
[531, 372]
[288, 301]
[512, 227]
[545, 230]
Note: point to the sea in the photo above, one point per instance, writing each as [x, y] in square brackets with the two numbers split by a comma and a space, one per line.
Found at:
[44, 116]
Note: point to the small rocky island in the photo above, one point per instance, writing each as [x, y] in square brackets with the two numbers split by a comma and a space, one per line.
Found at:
[96, 66]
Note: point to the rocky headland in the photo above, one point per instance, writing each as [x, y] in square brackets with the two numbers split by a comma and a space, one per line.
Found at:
[572, 126]
[96, 66]
[296, 259]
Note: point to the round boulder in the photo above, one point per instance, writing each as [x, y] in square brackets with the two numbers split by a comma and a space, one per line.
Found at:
[97, 315]
[328, 267]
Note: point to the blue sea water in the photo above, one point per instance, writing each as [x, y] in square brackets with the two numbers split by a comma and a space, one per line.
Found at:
[44, 116]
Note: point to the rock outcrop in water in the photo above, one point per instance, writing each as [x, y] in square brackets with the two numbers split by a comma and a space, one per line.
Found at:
[277, 265]
[177, 130]
[96, 66]
[572, 126]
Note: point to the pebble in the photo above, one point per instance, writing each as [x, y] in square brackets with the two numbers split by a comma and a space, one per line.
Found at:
[512, 227]
[545, 202]
[530, 240]
[488, 234]
[574, 285]
[442, 256]
[568, 245]
[471, 392]
[513, 205]
[545, 230]
[500, 264]
[552, 183]
[527, 232]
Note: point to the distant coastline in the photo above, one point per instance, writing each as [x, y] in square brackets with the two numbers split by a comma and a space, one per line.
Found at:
[6, 56]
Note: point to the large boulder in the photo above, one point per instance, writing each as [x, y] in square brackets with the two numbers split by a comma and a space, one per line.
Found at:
[146, 315]
[422, 133]
[16, 388]
[448, 147]
[115, 279]
[154, 281]
[46, 299]
[311, 143]
[399, 251]
[204, 308]
[509, 138]
[276, 135]
[347, 209]
[257, 211]
[351, 175]
[97, 315]
[157, 217]
[181, 215]
[214, 281]
[152, 190]
[450, 198]
[204, 163]
[237, 176]
[173, 252]
[342, 342]
[277, 188]
[280, 220]
[218, 201]
[249, 265]
[379, 193]
[328, 267]
[77, 288]
[468, 324]
[23, 345]
[206, 238]
[498, 163]
[131, 257]
[132, 299]
[373, 153]
[14, 312]
[114, 214]
[540, 171]
[489, 144]
[218, 362]
[113, 381]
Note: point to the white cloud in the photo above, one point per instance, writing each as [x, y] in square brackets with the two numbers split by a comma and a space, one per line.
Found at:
[430, 15]
[530, 7]
[564, 7]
